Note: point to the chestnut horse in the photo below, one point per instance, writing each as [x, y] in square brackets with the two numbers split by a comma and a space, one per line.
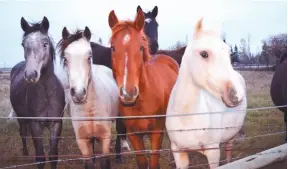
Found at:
[144, 84]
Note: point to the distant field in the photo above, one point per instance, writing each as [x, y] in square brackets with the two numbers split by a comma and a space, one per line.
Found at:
[256, 123]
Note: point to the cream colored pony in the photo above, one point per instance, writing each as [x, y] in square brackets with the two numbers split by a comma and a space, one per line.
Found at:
[93, 93]
[207, 82]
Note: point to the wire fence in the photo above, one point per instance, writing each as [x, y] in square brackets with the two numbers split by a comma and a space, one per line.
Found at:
[149, 152]
[145, 152]
[80, 118]
[6, 68]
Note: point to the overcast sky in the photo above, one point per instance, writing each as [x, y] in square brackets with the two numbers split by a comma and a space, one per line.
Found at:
[259, 18]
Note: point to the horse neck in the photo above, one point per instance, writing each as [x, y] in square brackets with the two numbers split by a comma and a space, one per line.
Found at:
[143, 81]
[49, 69]
[186, 90]
[91, 89]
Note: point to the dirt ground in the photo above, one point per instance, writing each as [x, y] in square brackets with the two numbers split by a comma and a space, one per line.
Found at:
[256, 123]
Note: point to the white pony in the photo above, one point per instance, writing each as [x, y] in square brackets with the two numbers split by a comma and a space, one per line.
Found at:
[207, 82]
[93, 93]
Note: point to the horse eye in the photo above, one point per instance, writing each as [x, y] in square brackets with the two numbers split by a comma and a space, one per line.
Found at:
[89, 58]
[141, 48]
[204, 54]
[112, 48]
[45, 45]
[65, 60]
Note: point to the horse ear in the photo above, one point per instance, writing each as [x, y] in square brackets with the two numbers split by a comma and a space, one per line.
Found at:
[155, 11]
[198, 27]
[139, 20]
[138, 8]
[87, 33]
[24, 24]
[45, 24]
[113, 20]
[65, 33]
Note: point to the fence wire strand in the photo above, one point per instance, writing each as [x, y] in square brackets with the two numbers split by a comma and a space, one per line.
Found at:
[192, 148]
[141, 117]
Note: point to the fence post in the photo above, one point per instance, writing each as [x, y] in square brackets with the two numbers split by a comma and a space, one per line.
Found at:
[260, 159]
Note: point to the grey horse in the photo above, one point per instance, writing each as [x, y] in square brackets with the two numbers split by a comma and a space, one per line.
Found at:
[35, 91]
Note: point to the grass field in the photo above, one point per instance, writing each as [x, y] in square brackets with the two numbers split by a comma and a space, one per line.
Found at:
[256, 123]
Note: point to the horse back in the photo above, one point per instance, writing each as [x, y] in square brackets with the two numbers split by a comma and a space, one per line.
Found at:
[175, 54]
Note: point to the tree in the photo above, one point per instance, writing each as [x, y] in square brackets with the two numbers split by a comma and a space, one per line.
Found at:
[235, 48]
[243, 55]
[100, 41]
[231, 49]
[236, 54]
[265, 53]
[274, 48]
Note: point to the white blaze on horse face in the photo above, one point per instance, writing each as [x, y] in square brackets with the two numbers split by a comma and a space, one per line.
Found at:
[125, 71]
[79, 67]
[38, 54]
[148, 20]
[126, 39]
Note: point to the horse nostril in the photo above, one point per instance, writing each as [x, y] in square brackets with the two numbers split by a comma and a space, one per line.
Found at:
[72, 91]
[135, 91]
[35, 74]
[25, 74]
[84, 92]
[232, 95]
[121, 91]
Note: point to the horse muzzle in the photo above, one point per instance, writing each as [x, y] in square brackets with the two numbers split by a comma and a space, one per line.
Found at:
[78, 97]
[128, 97]
[230, 98]
[31, 76]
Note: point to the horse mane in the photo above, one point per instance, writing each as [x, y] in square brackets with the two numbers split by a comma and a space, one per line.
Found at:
[128, 25]
[35, 27]
[64, 43]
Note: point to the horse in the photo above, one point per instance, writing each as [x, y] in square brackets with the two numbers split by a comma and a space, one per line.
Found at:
[144, 84]
[93, 93]
[121, 139]
[151, 28]
[278, 87]
[102, 54]
[206, 82]
[35, 91]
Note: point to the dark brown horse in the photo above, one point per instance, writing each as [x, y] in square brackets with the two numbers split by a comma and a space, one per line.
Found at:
[278, 88]
[144, 84]
[35, 91]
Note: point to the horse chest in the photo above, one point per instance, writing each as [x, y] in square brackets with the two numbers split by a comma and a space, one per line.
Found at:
[37, 98]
